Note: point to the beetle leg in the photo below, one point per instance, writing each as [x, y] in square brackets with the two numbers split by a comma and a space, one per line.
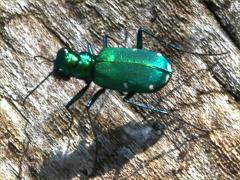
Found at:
[105, 41]
[89, 48]
[141, 105]
[91, 101]
[105, 38]
[77, 96]
[170, 45]
[162, 41]
[139, 39]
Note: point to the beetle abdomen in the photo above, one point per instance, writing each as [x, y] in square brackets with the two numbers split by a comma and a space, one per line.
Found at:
[131, 70]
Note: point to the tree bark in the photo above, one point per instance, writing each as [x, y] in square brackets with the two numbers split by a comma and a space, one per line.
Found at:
[198, 139]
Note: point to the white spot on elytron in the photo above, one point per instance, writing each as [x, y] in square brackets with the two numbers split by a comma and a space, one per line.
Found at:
[169, 68]
[167, 78]
[66, 51]
[151, 87]
[134, 49]
[125, 85]
[159, 54]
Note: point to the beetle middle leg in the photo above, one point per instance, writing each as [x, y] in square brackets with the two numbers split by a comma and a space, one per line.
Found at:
[105, 41]
[89, 103]
[162, 41]
[142, 105]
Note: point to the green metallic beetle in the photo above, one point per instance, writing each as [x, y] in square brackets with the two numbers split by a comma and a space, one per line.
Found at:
[121, 69]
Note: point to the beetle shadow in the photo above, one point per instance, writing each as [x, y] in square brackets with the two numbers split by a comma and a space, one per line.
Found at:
[182, 136]
[114, 148]
[110, 151]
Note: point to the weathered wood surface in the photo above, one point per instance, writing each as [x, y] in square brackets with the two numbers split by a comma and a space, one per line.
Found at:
[199, 139]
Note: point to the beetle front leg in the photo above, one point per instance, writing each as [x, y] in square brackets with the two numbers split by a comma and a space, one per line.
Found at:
[91, 101]
[142, 105]
[77, 96]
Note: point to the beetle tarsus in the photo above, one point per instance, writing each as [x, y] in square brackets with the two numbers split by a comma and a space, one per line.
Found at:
[142, 105]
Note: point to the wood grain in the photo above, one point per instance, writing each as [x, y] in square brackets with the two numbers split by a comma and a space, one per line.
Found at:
[199, 139]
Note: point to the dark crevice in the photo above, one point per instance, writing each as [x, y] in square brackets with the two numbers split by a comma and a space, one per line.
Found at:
[8, 43]
[235, 92]
[228, 28]
[51, 31]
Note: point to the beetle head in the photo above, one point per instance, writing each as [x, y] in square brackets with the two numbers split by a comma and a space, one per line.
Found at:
[60, 64]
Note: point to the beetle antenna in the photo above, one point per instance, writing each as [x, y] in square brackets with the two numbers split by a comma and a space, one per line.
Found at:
[47, 59]
[51, 73]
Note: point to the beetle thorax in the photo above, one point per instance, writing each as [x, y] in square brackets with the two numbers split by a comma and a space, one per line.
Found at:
[71, 64]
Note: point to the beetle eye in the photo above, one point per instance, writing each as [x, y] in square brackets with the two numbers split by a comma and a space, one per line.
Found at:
[66, 51]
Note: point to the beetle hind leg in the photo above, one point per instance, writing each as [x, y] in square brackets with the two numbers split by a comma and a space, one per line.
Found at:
[142, 105]
[169, 45]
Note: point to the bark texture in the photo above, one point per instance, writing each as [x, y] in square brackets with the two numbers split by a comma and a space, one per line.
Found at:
[200, 137]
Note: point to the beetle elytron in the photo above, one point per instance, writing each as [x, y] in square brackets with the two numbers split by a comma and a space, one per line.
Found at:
[123, 69]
